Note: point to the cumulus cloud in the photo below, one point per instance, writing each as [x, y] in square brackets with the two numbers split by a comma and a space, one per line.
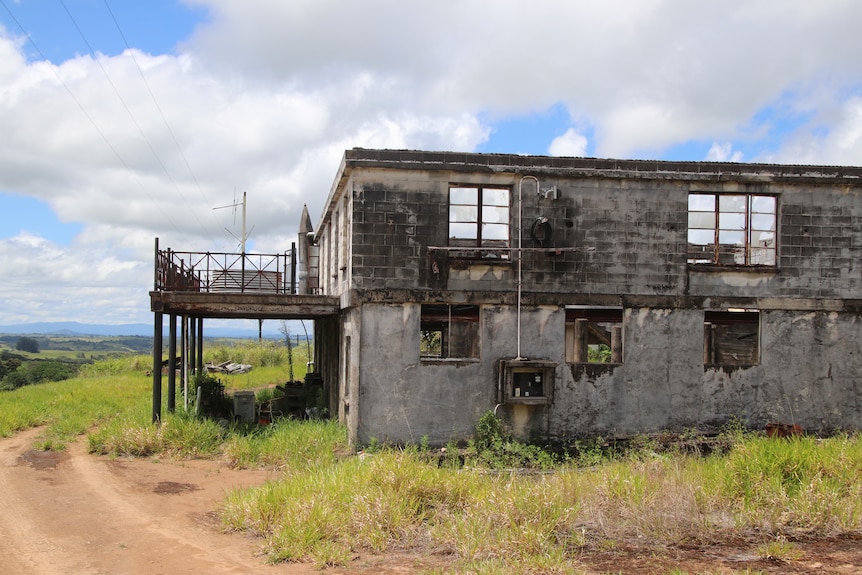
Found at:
[265, 96]
[569, 144]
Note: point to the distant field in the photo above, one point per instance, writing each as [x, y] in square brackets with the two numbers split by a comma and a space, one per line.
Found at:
[84, 348]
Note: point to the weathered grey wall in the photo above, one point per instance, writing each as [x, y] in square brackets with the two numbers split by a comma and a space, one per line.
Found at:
[628, 226]
[808, 375]
[403, 399]
[632, 233]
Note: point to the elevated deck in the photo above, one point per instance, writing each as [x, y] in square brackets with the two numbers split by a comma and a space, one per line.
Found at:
[234, 286]
[194, 286]
[244, 305]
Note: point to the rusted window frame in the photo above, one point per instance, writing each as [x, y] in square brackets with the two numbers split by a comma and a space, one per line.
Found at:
[478, 248]
[716, 255]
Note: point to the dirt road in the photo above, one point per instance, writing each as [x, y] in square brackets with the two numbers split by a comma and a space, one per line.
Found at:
[71, 513]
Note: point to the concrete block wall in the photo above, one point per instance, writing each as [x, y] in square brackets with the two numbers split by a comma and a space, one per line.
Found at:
[630, 237]
[629, 234]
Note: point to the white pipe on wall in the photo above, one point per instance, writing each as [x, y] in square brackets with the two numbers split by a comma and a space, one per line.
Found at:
[520, 238]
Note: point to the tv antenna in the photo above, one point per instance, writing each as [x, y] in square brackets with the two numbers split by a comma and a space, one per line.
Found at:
[235, 205]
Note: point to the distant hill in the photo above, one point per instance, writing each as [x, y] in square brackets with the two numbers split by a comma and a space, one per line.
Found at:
[73, 328]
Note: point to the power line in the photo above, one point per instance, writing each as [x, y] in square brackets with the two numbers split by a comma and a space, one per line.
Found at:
[156, 103]
[132, 118]
[90, 118]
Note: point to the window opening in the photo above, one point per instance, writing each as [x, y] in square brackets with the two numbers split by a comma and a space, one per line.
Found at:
[731, 337]
[479, 218]
[732, 229]
[594, 335]
[449, 331]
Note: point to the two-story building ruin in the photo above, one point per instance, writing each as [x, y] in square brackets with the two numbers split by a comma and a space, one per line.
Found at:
[580, 296]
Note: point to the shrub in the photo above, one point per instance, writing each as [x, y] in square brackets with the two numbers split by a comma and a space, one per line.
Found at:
[38, 372]
[496, 449]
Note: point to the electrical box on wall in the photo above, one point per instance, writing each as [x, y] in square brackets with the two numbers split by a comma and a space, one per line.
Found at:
[526, 381]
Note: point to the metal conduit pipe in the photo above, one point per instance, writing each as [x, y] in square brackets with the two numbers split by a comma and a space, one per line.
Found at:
[520, 239]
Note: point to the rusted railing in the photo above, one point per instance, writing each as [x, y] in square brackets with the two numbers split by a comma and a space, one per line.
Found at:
[218, 272]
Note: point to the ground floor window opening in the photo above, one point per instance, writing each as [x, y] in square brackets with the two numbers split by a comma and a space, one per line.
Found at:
[731, 337]
[449, 331]
[594, 335]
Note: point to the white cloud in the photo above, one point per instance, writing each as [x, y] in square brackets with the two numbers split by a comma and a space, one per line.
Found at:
[723, 152]
[265, 96]
[569, 144]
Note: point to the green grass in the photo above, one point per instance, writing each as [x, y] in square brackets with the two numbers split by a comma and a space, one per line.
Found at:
[72, 407]
[328, 504]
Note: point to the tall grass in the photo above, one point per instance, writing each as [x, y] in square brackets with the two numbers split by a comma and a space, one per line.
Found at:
[396, 499]
[290, 444]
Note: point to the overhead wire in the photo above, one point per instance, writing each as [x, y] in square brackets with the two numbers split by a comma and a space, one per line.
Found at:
[90, 118]
[156, 104]
[134, 120]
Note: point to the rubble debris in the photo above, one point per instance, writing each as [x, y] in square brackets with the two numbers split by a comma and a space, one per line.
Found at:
[783, 430]
[228, 367]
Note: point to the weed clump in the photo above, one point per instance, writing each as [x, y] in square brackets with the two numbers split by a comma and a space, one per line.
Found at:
[494, 448]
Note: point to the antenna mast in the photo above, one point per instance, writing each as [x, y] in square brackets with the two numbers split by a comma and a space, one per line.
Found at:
[234, 205]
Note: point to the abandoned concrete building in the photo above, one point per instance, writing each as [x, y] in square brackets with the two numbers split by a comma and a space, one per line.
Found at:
[575, 296]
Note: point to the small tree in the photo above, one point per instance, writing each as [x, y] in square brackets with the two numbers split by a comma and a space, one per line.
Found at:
[27, 344]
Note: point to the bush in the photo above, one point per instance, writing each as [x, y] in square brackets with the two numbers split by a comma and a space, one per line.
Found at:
[32, 372]
[213, 402]
[8, 364]
[495, 448]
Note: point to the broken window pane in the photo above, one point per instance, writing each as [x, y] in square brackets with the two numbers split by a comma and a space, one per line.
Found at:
[743, 224]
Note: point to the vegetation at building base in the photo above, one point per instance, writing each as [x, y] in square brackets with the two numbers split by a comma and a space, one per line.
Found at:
[475, 505]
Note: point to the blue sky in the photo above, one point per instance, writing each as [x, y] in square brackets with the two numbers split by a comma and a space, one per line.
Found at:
[105, 149]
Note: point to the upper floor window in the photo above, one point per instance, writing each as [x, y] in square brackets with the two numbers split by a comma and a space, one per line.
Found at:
[732, 229]
[479, 218]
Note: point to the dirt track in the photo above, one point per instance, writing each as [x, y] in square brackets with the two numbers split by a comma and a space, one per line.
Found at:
[72, 513]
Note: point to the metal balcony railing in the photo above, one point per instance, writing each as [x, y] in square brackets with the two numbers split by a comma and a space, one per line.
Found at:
[219, 272]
